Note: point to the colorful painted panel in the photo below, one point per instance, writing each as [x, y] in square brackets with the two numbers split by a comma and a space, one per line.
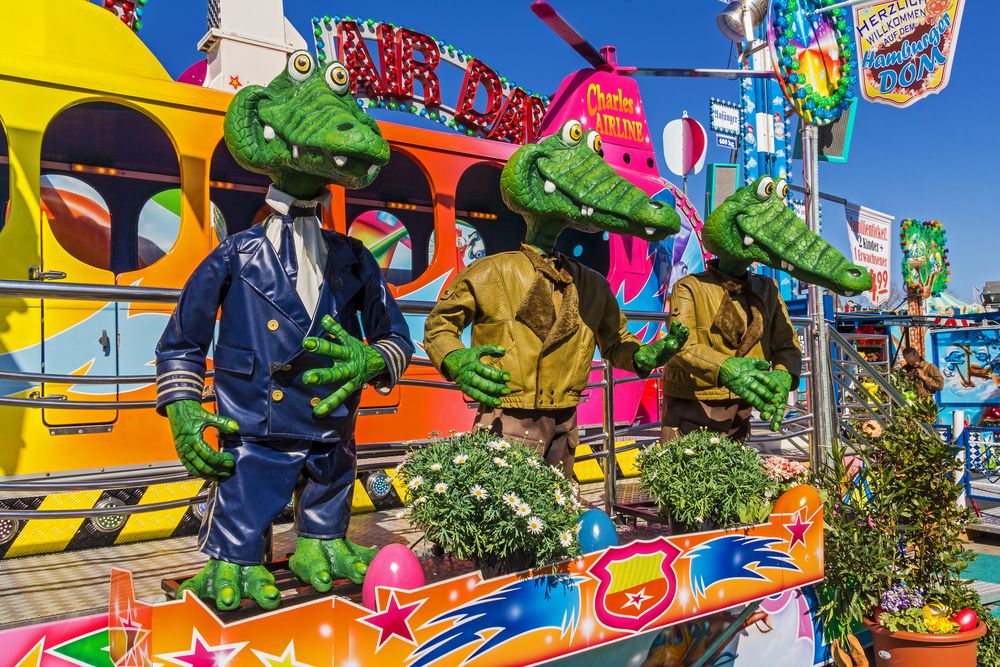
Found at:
[387, 238]
[970, 361]
[79, 218]
[520, 619]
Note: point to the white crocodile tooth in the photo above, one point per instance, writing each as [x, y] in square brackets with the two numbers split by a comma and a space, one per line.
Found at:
[340, 160]
[650, 231]
[372, 169]
[747, 241]
[591, 209]
[268, 132]
[549, 187]
[583, 209]
[295, 151]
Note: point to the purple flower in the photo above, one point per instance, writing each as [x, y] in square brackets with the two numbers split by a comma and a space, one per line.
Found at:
[900, 598]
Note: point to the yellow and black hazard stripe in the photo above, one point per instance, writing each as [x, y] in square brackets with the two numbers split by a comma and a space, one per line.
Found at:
[373, 490]
[28, 537]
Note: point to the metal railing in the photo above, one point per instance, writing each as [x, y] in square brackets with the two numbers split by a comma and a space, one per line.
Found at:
[797, 426]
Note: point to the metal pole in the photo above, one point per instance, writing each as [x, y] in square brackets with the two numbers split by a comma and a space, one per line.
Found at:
[824, 409]
[610, 461]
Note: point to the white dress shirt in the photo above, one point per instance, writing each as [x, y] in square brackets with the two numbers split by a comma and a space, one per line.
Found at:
[310, 248]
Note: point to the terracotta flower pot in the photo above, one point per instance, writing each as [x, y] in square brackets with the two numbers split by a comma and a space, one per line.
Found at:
[912, 649]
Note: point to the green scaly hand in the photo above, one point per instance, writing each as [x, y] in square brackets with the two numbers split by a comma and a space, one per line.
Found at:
[657, 353]
[228, 583]
[478, 381]
[755, 382]
[319, 562]
[352, 365]
[187, 422]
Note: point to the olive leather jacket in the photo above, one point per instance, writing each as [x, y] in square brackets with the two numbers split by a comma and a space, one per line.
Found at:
[487, 295]
[693, 372]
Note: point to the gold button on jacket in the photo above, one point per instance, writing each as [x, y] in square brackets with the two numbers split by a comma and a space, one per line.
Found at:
[272, 325]
[277, 395]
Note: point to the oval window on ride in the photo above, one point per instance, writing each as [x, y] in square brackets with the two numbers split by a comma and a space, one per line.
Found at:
[107, 172]
[394, 218]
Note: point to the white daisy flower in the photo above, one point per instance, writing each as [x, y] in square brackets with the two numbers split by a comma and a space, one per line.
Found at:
[420, 500]
[558, 472]
[501, 462]
[435, 467]
[522, 509]
[440, 487]
[478, 492]
[534, 463]
[495, 445]
[511, 499]
[566, 539]
[460, 459]
[415, 482]
[535, 525]
[713, 441]
[560, 498]
[689, 451]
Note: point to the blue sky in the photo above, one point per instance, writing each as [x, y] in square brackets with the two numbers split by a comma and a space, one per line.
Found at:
[936, 159]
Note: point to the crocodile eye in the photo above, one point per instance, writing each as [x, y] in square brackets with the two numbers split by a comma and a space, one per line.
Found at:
[595, 144]
[337, 78]
[300, 65]
[572, 133]
[782, 189]
[765, 188]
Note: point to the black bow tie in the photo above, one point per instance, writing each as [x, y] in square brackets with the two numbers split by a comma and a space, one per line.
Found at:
[301, 212]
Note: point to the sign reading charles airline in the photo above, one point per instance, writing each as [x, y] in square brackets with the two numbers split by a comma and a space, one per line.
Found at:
[905, 48]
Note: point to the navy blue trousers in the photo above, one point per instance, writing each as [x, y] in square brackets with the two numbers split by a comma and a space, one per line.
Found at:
[319, 477]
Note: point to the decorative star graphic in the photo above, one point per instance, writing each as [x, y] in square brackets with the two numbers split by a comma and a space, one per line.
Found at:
[286, 659]
[33, 658]
[234, 81]
[798, 530]
[636, 599]
[134, 635]
[393, 621]
[201, 654]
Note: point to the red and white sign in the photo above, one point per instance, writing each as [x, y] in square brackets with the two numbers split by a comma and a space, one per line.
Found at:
[389, 64]
[685, 144]
[871, 247]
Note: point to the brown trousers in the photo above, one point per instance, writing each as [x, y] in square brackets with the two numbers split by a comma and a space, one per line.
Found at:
[684, 415]
[551, 433]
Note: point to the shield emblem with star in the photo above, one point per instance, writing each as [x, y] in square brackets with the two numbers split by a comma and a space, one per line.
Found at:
[636, 583]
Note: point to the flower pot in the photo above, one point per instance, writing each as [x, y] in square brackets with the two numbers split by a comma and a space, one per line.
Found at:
[492, 566]
[911, 649]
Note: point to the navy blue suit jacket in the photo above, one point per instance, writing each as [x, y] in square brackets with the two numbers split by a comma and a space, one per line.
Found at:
[259, 359]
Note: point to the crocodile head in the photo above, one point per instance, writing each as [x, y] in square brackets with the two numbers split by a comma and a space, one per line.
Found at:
[563, 181]
[754, 225]
[305, 130]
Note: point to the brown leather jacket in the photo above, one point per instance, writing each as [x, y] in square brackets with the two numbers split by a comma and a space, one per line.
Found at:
[695, 301]
[545, 374]
[933, 383]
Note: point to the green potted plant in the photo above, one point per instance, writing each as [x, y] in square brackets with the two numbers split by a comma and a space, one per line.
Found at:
[498, 504]
[893, 547]
[704, 480]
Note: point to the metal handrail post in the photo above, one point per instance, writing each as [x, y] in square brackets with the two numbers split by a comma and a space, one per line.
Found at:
[822, 390]
[610, 462]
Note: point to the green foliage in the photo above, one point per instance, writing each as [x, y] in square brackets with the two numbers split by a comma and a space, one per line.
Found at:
[908, 620]
[706, 478]
[892, 516]
[484, 499]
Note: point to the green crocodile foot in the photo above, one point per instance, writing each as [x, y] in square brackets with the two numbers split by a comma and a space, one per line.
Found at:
[319, 562]
[228, 583]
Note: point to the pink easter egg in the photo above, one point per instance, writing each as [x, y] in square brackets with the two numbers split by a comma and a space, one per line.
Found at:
[394, 566]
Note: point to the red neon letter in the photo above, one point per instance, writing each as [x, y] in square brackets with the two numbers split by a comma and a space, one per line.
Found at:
[478, 73]
[354, 54]
[409, 41]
